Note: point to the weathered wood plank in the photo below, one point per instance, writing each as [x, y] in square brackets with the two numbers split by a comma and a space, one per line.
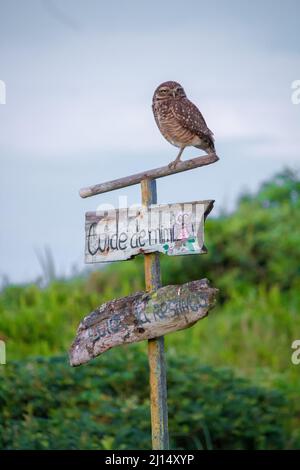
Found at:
[141, 316]
[172, 229]
[149, 174]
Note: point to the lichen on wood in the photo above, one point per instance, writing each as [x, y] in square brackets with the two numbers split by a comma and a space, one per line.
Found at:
[141, 316]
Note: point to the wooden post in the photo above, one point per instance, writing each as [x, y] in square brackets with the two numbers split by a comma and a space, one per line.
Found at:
[156, 355]
[98, 332]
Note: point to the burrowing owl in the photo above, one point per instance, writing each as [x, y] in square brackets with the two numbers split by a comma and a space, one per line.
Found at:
[179, 120]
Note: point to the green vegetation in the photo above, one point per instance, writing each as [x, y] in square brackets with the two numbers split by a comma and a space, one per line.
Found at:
[105, 405]
[254, 259]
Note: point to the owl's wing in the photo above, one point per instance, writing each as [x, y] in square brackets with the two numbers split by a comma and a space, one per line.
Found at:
[155, 114]
[189, 116]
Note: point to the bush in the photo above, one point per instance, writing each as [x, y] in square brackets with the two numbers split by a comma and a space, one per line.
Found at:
[45, 404]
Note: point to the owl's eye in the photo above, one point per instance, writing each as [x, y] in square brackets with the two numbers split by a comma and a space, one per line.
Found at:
[163, 90]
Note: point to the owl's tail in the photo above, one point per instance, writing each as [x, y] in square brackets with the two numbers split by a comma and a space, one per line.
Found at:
[208, 144]
[211, 148]
[211, 143]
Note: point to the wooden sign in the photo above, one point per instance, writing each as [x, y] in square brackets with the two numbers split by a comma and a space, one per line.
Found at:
[141, 316]
[172, 229]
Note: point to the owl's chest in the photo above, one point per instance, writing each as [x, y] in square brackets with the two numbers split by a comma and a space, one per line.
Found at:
[170, 127]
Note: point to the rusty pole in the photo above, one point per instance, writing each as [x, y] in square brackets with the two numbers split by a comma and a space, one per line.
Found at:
[156, 354]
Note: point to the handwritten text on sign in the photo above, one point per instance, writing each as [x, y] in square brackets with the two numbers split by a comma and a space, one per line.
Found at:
[120, 234]
[141, 316]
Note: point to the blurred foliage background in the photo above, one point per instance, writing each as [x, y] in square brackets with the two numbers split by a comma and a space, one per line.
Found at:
[231, 380]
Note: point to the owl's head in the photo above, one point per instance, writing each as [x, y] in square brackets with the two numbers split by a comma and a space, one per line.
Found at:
[168, 90]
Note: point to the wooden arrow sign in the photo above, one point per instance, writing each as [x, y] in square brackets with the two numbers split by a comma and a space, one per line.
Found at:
[172, 229]
[141, 316]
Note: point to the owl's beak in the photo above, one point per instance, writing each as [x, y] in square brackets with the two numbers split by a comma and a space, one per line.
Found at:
[174, 93]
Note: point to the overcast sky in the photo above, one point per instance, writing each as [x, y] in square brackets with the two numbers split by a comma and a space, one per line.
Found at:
[79, 77]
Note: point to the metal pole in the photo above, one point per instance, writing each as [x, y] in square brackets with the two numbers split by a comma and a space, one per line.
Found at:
[156, 355]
